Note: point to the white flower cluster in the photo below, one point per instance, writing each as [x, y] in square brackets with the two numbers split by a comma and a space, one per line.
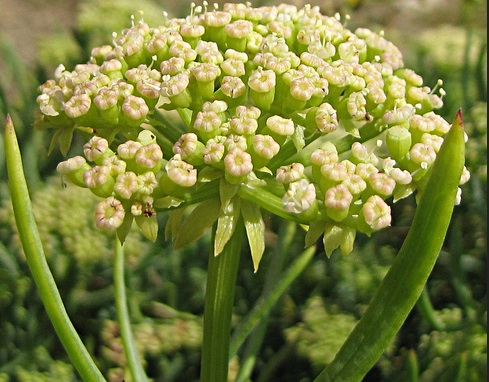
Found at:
[324, 118]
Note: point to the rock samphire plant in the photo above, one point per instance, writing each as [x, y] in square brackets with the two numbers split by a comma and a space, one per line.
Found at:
[228, 114]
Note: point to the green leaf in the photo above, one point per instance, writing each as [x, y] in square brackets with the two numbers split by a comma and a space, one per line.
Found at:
[36, 260]
[333, 236]
[227, 191]
[407, 276]
[148, 226]
[298, 138]
[226, 224]
[175, 218]
[125, 228]
[255, 230]
[315, 230]
[202, 217]
[65, 138]
[167, 202]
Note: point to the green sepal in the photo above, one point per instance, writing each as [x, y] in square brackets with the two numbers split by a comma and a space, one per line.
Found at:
[125, 227]
[148, 226]
[331, 238]
[202, 217]
[337, 214]
[402, 191]
[262, 100]
[167, 202]
[338, 236]
[255, 230]
[173, 224]
[145, 137]
[346, 245]
[208, 174]
[63, 137]
[226, 224]
[314, 232]
[298, 138]
[227, 191]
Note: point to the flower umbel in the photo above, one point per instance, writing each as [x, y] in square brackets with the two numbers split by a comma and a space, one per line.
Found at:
[282, 101]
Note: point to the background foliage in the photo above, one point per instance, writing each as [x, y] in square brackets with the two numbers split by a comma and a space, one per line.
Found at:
[444, 338]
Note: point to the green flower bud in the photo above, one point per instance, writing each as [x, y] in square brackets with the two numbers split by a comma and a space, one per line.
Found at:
[337, 201]
[262, 87]
[73, 169]
[398, 141]
[99, 180]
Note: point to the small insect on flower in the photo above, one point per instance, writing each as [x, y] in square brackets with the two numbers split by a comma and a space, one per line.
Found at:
[149, 211]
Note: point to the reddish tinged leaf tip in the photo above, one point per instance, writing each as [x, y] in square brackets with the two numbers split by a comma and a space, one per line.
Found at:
[8, 123]
[459, 118]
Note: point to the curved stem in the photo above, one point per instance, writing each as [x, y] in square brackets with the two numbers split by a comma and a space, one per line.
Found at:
[256, 321]
[132, 356]
[407, 276]
[427, 311]
[266, 303]
[31, 243]
[413, 367]
[219, 300]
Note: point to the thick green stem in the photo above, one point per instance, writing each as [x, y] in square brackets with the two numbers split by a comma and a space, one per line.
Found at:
[407, 276]
[132, 356]
[31, 243]
[219, 301]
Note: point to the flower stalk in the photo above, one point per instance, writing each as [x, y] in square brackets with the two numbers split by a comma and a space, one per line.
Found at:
[132, 356]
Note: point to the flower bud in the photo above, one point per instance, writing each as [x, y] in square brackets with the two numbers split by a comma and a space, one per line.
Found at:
[398, 140]
[99, 180]
[73, 169]
[238, 165]
[109, 214]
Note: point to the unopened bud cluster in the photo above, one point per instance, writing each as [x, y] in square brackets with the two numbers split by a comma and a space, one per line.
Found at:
[284, 101]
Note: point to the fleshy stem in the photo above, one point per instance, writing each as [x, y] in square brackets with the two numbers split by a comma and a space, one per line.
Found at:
[132, 356]
[219, 300]
[407, 276]
[36, 260]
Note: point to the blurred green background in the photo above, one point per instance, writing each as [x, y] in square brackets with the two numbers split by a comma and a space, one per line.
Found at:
[443, 339]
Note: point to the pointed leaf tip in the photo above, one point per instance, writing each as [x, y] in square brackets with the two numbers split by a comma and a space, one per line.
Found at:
[9, 125]
[459, 119]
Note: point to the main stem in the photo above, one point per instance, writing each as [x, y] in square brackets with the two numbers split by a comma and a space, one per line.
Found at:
[219, 301]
